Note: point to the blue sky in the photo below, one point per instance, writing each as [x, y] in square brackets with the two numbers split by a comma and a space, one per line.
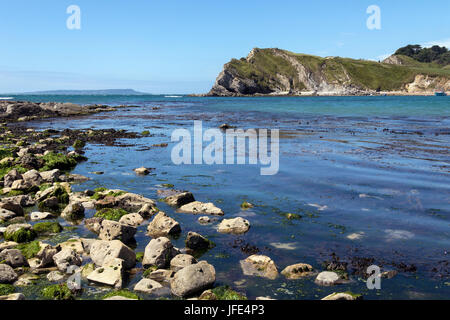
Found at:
[176, 46]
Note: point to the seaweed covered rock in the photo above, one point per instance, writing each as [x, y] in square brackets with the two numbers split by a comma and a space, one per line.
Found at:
[57, 292]
[47, 227]
[19, 233]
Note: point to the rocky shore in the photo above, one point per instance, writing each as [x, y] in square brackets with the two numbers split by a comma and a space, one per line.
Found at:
[36, 180]
[25, 110]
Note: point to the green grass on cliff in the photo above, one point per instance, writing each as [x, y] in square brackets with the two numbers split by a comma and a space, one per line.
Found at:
[266, 65]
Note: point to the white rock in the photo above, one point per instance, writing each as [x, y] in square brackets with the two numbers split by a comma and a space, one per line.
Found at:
[235, 226]
[147, 286]
[109, 274]
[35, 216]
[198, 207]
[327, 278]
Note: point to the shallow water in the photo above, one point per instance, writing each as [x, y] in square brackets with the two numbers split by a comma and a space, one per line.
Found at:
[378, 166]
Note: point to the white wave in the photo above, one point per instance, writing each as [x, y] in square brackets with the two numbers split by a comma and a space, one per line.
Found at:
[173, 96]
[6, 98]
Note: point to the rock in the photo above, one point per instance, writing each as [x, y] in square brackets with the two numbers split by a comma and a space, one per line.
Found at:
[66, 258]
[73, 211]
[204, 220]
[192, 279]
[32, 177]
[162, 225]
[196, 241]
[73, 244]
[342, 296]
[142, 171]
[327, 278]
[94, 224]
[225, 126]
[297, 271]
[198, 207]
[180, 199]
[50, 176]
[2, 230]
[180, 261]
[8, 245]
[112, 230]
[10, 205]
[109, 274]
[159, 252]
[389, 274]
[118, 298]
[259, 265]
[207, 295]
[235, 226]
[26, 280]
[20, 185]
[87, 270]
[23, 200]
[13, 257]
[44, 258]
[13, 296]
[20, 232]
[103, 251]
[132, 219]
[35, 216]
[10, 177]
[355, 236]
[7, 274]
[264, 298]
[55, 276]
[147, 286]
[51, 203]
[6, 215]
[162, 275]
[147, 211]
[132, 202]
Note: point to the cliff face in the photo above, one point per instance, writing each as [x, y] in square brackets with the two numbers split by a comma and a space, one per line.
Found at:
[280, 72]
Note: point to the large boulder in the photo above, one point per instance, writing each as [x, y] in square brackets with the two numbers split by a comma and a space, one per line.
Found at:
[198, 207]
[103, 251]
[193, 279]
[66, 258]
[6, 215]
[260, 266]
[36, 216]
[113, 230]
[109, 274]
[235, 226]
[159, 252]
[179, 199]
[163, 225]
[7, 274]
[44, 258]
[132, 202]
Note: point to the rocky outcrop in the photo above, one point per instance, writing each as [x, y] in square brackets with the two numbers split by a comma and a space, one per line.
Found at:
[280, 72]
[192, 279]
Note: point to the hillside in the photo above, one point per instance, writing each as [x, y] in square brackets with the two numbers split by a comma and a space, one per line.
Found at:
[281, 72]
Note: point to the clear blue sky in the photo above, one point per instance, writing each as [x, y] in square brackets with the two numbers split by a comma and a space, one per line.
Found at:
[175, 46]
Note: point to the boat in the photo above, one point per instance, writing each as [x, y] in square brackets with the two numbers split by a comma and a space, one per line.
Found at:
[440, 94]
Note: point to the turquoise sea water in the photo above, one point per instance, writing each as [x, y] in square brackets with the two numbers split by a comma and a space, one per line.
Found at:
[375, 166]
